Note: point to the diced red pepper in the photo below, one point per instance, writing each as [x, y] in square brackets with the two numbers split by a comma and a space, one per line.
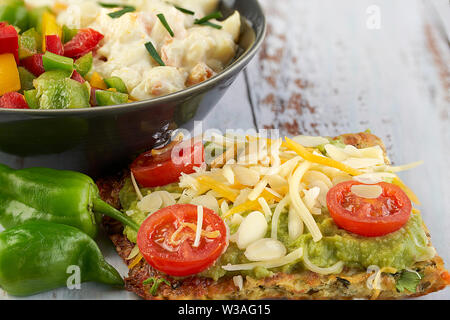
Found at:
[77, 77]
[85, 40]
[13, 100]
[9, 40]
[54, 44]
[34, 64]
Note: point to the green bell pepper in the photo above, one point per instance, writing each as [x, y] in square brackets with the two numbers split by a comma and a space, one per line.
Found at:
[31, 98]
[68, 33]
[15, 13]
[62, 94]
[26, 79]
[110, 98]
[40, 256]
[35, 18]
[29, 43]
[53, 61]
[84, 64]
[116, 83]
[65, 197]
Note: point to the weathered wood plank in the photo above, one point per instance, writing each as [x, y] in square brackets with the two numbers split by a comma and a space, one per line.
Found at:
[323, 71]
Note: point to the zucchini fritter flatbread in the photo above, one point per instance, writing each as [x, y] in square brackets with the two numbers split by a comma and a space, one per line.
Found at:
[304, 284]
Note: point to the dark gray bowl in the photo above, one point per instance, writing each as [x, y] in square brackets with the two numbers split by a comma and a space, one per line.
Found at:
[97, 140]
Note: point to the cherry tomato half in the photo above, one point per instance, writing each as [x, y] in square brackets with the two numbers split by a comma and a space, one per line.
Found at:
[167, 244]
[158, 169]
[369, 217]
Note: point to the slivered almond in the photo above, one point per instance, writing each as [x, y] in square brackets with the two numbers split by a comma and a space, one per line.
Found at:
[367, 191]
[265, 249]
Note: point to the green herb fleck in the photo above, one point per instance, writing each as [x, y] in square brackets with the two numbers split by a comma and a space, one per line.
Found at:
[163, 20]
[156, 283]
[210, 24]
[214, 15]
[118, 14]
[152, 50]
[408, 280]
[185, 10]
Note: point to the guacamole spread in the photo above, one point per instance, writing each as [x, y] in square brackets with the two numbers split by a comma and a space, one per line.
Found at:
[400, 249]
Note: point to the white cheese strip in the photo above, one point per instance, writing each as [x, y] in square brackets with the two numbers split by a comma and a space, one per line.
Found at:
[276, 216]
[336, 268]
[135, 186]
[290, 258]
[265, 208]
[257, 190]
[295, 224]
[298, 204]
[198, 232]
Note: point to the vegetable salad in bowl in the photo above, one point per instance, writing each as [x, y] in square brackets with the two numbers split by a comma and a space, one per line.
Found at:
[84, 53]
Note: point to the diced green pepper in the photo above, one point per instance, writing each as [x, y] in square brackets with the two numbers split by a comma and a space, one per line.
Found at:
[84, 64]
[53, 61]
[116, 83]
[15, 13]
[35, 18]
[110, 98]
[68, 33]
[63, 94]
[29, 43]
[51, 75]
[31, 98]
[26, 79]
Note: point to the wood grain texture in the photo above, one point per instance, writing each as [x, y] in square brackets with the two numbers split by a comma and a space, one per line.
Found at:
[322, 71]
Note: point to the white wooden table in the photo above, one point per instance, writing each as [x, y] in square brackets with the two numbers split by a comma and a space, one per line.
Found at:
[326, 69]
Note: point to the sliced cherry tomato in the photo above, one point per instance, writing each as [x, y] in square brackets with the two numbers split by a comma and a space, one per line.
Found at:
[34, 64]
[13, 100]
[369, 217]
[166, 242]
[54, 44]
[152, 169]
[83, 42]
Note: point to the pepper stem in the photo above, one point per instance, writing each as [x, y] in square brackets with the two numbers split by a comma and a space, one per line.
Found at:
[100, 206]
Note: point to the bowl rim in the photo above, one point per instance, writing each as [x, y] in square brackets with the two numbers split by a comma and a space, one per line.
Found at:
[238, 64]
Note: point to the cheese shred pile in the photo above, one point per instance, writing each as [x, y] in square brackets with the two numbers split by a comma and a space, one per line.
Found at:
[271, 177]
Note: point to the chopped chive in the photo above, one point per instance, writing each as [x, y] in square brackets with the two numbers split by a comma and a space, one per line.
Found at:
[113, 5]
[151, 49]
[163, 20]
[210, 24]
[156, 282]
[118, 14]
[214, 15]
[185, 10]
[109, 5]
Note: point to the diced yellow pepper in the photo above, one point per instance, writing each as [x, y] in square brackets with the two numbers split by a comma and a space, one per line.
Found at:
[97, 81]
[49, 27]
[9, 74]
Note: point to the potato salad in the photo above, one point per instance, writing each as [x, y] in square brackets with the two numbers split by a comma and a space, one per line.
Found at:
[135, 49]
